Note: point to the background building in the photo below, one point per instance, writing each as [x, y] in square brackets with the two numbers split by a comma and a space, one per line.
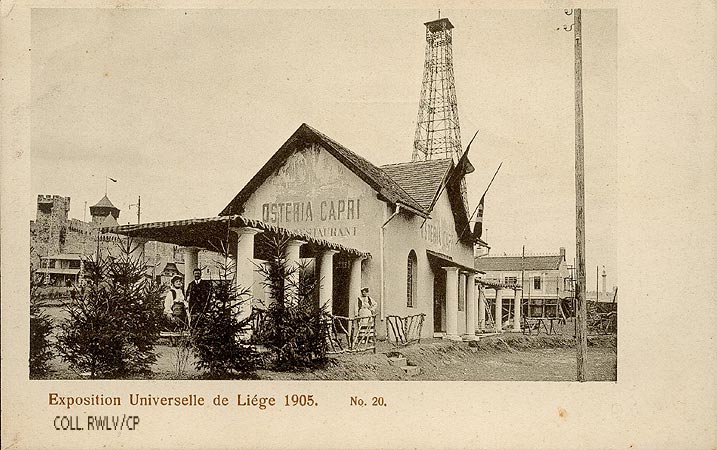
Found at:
[59, 244]
[545, 280]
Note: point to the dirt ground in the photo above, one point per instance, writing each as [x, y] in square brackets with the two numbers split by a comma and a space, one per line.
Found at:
[504, 358]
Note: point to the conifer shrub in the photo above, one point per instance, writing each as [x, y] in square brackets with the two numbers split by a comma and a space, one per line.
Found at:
[294, 327]
[218, 335]
[114, 321]
[41, 326]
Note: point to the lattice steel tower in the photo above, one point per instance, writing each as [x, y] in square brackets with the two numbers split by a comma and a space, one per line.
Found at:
[438, 134]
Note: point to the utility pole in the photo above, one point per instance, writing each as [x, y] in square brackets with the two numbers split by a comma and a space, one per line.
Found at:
[581, 304]
[139, 207]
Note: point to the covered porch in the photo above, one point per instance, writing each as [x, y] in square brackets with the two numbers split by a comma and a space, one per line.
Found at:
[246, 242]
[503, 291]
[454, 298]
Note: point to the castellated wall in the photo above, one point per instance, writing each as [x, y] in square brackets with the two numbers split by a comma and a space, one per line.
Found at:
[53, 233]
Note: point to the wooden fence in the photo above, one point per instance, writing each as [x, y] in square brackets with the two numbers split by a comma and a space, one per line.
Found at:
[351, 335]
[403, 331]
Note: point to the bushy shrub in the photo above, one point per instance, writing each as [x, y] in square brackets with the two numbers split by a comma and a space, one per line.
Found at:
[114, 321]
[294, 324]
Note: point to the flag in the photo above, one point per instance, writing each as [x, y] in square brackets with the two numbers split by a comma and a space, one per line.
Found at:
[112, 179]
[463, 166]
[478, 227]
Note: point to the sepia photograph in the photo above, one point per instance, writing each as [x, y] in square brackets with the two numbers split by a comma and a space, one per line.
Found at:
[363, 225]
[384, 195]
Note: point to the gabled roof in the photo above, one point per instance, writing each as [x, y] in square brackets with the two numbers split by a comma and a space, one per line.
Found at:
[420, 179]
[379, 180]
[517, 263]
[423, 181]
[104, 203]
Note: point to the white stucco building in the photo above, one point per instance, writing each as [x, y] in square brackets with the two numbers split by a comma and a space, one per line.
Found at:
[401, 230]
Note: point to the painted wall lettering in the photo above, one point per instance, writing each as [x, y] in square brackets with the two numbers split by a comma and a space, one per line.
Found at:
[308, 211]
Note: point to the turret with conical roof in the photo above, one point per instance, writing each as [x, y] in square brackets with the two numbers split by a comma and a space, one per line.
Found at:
[102, 210]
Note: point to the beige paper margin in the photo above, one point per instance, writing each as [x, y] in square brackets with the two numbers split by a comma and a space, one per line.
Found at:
[665, 394]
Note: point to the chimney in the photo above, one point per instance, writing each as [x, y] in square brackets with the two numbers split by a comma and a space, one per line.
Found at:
[562, 252]
[604, 282]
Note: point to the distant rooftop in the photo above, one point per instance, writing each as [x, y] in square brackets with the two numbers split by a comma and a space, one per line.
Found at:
[66, 256]
[516, 263]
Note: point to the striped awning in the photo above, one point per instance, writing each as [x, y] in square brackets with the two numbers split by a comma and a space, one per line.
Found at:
[493, 284]
[213, 233]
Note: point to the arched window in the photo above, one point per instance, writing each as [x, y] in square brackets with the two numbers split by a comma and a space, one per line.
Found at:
[411, 279]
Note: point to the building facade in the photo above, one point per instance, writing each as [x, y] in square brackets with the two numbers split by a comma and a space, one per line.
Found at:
[400, 230]
[543, 281]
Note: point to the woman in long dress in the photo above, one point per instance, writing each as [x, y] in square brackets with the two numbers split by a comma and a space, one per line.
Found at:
[366, 305]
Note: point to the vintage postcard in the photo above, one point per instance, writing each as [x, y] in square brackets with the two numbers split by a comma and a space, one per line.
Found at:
[328, 225]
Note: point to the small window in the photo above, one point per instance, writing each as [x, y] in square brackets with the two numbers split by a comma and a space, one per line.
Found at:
[536, 283]
[511, 280]
[411, 279]
[74, 264]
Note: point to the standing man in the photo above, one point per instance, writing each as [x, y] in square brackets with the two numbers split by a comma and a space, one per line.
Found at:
[198, 294]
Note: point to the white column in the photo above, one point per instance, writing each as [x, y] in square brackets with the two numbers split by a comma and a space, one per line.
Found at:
[326, 279]
[498, 309]
[244, 277]
[191, 262]
[451, 302]
[462, 288]
[517, 301]
[354, 289]
[470, 306]
[354, 286]
[291, 254]
[481, 308]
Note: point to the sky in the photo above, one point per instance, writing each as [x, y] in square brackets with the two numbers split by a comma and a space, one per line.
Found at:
[182, 107]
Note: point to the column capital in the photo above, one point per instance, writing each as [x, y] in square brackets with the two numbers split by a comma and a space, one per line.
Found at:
[292, 242]
[450, 269]
[328, 251]
[246, 230]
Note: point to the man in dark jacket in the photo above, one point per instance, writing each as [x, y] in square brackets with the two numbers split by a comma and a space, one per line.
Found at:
[198, 294]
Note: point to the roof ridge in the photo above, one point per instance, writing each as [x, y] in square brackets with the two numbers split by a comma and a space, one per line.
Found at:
[441, 160]
[343, 147]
